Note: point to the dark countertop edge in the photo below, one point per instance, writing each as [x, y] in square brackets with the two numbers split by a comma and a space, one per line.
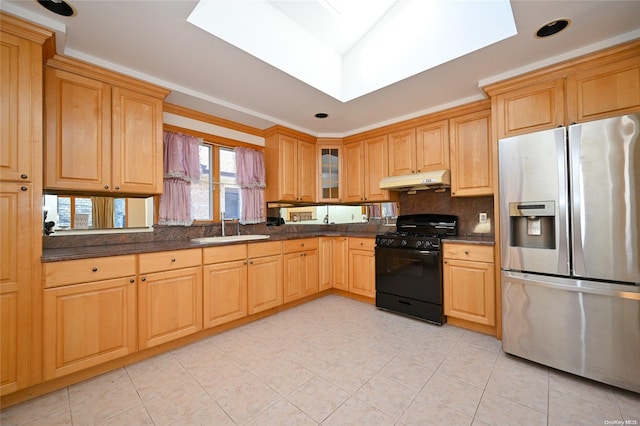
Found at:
[88, 252]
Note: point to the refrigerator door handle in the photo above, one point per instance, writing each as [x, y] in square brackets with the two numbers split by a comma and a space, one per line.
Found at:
[563, 267]
[578, 267]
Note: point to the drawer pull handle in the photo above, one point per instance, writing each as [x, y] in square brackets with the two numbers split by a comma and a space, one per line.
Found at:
[143, 279]
[106, 187]
[23, 188]
[117, 188]
[466, 252]
[173, 259]
[23, 176]
[132, 281]
[95, 269]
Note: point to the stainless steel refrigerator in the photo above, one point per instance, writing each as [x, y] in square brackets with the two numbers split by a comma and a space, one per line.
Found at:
[570, 236]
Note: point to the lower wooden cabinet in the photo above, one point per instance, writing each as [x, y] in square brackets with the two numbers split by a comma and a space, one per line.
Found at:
[224, 284]
[265, 276]
[333, 263]
[362, 266]
[169, 300]
[300, 268]
[469, 283]
[88, 324]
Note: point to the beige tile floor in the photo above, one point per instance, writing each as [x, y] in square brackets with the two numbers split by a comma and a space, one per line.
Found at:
[334, 361]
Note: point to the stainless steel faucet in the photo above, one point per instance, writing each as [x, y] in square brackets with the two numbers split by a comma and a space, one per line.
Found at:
[222, 222]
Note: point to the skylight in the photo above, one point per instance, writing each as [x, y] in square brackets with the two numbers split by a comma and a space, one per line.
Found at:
[348, 48]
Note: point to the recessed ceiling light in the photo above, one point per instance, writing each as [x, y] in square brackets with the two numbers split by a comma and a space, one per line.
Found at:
[322, 115]
[553, 27]
[57, 6]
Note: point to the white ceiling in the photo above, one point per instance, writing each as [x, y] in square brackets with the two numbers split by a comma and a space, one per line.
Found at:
[152, 40]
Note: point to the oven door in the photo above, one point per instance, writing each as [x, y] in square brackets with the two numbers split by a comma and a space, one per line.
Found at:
[410, 273]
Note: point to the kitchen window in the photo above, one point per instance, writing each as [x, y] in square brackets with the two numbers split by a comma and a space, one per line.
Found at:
[217, 190]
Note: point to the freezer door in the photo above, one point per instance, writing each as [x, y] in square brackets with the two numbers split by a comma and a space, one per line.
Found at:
[583, 327]
[534, 221]
[605, 182]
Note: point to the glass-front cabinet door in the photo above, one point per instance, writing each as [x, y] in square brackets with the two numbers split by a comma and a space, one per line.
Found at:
[330, 182]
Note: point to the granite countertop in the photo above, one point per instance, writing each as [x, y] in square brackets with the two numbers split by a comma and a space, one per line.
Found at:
[87, 252]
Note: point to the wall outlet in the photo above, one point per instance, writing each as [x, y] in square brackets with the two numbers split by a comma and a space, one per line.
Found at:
[482, 218]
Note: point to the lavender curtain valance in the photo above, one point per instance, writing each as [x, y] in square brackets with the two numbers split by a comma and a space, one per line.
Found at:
[251, 179]
[181, 167]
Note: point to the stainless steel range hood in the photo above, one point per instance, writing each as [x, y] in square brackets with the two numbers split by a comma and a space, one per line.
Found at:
[417, 181]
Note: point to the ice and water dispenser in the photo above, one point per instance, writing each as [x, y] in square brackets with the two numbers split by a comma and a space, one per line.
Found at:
[533, 224]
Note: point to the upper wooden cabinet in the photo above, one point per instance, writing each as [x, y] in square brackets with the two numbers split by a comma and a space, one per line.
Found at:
[330, 176]
[530, 109]
[365, 164]
[471, 154]
[603, 91]
[291, 169]
[421, 149]
[103, 131]
[595, 86]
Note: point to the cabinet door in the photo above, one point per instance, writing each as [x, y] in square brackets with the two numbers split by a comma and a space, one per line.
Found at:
[354, 172]
[325, 263]
[288, 168]
[169, 305]
[362, 272]
[471, 155]
[432, 146]
[340, 264]
[15, 285]
[330, 176]
[265, 283]
[306, 163]
[530, 109]
[469, 291]
[376, 167]
[605, 91]
[402, 153]
[78, 133]
[136, 142]
[21, 110]
[88, 324]
[224, 292]
[309, 283]
[293, 276]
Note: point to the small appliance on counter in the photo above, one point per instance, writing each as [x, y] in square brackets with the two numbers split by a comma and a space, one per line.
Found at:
[275, 221]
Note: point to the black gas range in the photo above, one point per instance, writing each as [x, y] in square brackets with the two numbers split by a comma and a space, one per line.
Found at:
[409, 266]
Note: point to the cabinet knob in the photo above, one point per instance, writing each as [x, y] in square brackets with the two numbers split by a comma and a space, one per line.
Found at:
[302, 244]
[132, 281]
[23, 188]
[173, 260]
[143, 279]
[445, 262]
[245, 263]
[106, 187]
[466, 252]
[117, 188]
[94, 269]
[23, 176]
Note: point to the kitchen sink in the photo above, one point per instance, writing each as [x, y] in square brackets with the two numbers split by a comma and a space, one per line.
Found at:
[229, 239]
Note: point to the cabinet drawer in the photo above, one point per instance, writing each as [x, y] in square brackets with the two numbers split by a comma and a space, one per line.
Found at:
[224, 254]
[169, 260]
[474, 252]
[264, 249]
[362, 243]
[67, 272]
[302, 244]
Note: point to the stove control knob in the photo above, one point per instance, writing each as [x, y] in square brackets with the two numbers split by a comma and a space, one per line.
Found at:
[419, 243]
[403, 243]
[427, 243]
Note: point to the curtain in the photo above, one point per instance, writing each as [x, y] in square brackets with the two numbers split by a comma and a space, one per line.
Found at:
[102, 212]
[251, 179]
[181, 167]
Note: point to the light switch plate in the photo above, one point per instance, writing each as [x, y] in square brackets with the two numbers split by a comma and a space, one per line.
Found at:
[482, 218]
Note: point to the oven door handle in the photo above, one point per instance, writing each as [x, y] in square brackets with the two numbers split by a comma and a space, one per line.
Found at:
[430, 252]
